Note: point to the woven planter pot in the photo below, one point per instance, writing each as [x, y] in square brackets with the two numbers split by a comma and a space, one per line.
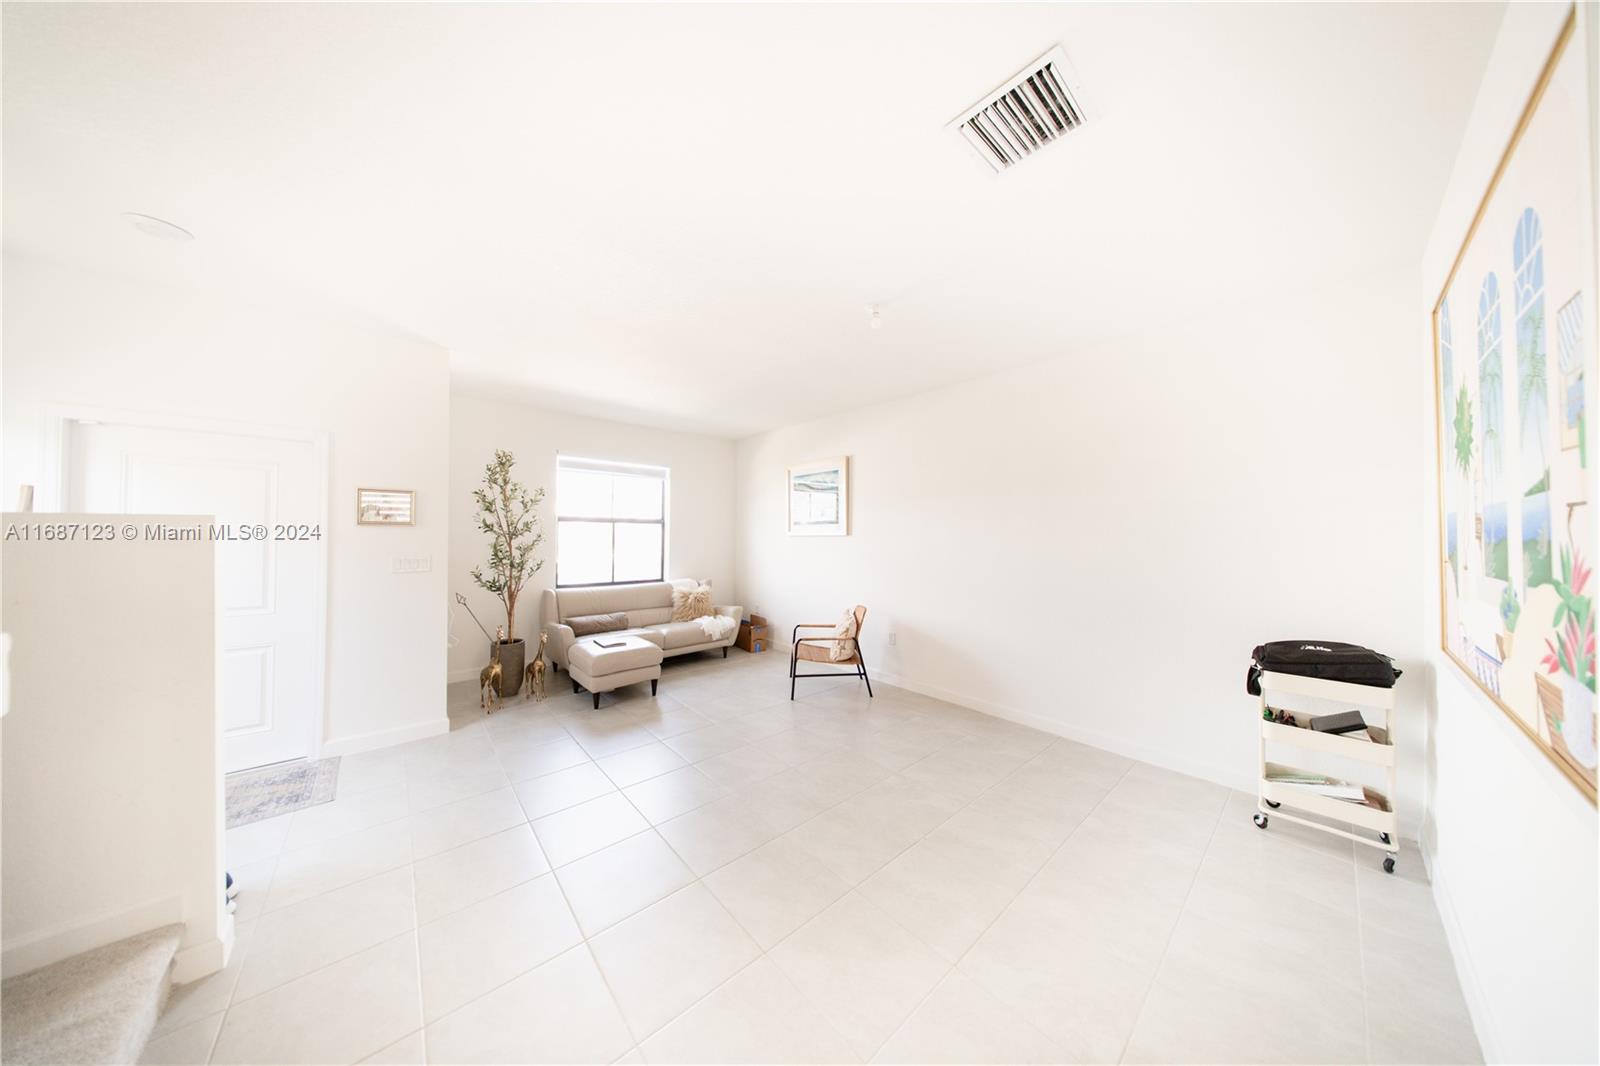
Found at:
[512, 654]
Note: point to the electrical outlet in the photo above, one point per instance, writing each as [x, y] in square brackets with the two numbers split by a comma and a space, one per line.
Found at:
[892, 636]
[413, 564]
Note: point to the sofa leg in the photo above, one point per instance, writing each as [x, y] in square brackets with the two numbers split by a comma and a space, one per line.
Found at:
[574, 688]
[596, 696]
[724, 652]
[653, 682]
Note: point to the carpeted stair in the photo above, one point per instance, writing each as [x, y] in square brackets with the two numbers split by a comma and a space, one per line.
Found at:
[98, 1007]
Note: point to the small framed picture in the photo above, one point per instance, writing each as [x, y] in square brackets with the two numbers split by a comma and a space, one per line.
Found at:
[386, 507]
[819, 498]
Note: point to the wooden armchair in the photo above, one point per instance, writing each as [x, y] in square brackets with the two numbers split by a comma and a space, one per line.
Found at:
[817, 650]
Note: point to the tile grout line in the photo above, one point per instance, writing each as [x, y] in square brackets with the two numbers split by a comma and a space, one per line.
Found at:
[652, 828]
[416, 926]
[1167, 946]
[415, 929]
[416, 918]
[585, 937]
[1361, 949]
[762, 953]
[588, 950]
[954, 966]
[233, 989]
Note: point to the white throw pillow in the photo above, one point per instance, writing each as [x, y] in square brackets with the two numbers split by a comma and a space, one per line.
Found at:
[844, 649]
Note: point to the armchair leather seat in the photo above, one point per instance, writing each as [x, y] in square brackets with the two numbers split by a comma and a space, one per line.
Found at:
[820, 653]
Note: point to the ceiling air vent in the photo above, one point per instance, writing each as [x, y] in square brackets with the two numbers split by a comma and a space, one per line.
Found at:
[1035, 108]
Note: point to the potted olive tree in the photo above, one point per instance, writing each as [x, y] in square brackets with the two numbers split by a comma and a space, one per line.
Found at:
[509, 513]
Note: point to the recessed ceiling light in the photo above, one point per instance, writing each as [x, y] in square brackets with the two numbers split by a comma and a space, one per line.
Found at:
[876, 321]
[151, 226]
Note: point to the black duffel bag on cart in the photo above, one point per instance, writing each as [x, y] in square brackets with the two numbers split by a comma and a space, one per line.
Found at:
[1327, 659]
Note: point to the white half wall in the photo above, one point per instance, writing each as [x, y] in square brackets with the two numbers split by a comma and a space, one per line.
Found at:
[700, 503]
[1510, 842]
[112, 756]
[1093, 545]
[79, 339]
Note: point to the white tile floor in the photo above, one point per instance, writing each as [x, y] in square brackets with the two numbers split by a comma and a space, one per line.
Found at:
[719, 875]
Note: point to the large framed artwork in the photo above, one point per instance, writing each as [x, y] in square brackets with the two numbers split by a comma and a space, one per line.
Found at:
[1515, 369]
[819, 498]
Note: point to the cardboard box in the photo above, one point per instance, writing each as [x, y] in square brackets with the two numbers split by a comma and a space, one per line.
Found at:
[752, 634]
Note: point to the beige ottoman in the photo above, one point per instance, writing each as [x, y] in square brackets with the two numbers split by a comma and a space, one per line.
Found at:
[603, 669]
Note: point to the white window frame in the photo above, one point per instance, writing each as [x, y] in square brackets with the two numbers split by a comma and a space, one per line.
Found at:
[609, 466]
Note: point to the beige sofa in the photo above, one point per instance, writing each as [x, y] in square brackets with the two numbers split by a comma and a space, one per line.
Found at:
[649, 610]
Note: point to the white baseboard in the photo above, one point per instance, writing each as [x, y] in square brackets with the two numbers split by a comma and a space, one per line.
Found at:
[1155, 756]
[202, 960]
[1244, 780]
[383, 738]
[63, 941]
[1466, 971]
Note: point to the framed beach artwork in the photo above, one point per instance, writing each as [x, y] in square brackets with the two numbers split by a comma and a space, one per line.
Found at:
[1515, 370]
[819, 498]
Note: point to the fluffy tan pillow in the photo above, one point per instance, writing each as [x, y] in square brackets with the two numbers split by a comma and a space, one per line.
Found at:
[689, 604]
[842, 650]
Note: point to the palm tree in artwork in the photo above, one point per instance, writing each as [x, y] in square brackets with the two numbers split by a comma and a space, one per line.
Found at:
[1463, 430]
[1490, 386]
[1533, 385]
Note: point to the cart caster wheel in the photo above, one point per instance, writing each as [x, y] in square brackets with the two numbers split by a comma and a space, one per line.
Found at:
[1261, 821]
[1271, 804]
[1385, 838]
[1388, 864]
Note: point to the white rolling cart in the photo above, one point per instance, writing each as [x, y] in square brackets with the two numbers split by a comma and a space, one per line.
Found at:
[1277, 799]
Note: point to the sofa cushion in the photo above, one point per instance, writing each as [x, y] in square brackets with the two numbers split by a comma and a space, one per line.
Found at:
[651, 633]
[681, 634]
[650, 616]
[589, 624]
[606, 599]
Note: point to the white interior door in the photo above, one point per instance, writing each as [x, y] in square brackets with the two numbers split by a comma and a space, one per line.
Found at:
[269, 592]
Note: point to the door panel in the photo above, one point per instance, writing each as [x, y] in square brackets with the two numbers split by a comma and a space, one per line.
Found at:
[245, 682]
[268, 592]
[242, 491]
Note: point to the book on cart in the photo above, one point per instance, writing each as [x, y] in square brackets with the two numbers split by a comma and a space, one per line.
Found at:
[1369, 733]
[1320, 784]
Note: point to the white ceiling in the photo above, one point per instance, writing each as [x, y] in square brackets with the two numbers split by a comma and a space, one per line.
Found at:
[678, 214]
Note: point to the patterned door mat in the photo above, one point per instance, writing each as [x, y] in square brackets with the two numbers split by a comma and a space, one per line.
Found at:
[254, 795]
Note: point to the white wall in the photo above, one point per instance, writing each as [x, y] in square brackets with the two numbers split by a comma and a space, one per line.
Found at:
[699, 525]
[77, 338]
[1094, 544]
[1511, 844]
[113, 788]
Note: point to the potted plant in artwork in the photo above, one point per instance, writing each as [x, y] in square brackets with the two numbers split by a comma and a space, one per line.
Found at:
[1510, 612]
[1570, 658]
[509, 514]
